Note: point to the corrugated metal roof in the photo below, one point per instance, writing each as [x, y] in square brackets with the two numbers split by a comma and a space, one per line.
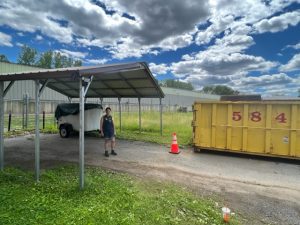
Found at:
[114, 80]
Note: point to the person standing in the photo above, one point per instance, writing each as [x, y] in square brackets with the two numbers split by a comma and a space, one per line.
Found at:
[108, 131]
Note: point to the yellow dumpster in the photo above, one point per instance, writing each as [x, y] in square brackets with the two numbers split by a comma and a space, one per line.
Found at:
[270, 128]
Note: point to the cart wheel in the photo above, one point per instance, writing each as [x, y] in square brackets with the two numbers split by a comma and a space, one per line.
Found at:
[64, 132]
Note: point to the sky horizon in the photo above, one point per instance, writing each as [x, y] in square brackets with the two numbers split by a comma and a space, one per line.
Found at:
[252, 46]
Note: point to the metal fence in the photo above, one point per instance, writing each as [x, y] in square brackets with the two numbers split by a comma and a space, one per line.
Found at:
[27, 106]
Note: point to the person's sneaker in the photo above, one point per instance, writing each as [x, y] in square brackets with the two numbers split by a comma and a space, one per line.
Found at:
[106, 154]
[113, 152]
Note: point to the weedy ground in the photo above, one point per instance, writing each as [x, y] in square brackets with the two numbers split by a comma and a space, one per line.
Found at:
[108, 198]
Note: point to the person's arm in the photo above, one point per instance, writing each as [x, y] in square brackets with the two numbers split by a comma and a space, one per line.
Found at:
[101, 126]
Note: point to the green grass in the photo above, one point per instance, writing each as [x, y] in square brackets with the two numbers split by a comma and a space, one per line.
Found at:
[172, 122]
[108, 198]
[16, 125]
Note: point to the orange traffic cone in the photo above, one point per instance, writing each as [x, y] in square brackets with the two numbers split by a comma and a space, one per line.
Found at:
[174, 146]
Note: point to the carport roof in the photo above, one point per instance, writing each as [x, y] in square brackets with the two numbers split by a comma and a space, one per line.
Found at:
[111, 80]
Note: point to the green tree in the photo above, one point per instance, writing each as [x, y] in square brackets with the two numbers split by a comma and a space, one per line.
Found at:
[3, 58]
[77, 63]
[46, 60]
[62, 61]
[177, 84]
[219, 90]
[57, 60]
[65, 61]
[27, 56]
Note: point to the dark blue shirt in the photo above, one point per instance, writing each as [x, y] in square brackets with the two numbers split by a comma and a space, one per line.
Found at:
[108, 124]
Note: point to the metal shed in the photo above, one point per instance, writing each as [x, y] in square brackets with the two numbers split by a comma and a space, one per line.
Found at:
[129, 80]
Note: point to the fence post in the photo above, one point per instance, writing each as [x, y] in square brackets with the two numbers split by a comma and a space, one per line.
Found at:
[9, 120]
[161, 112]
[23, 113]
[43, 120]
[140, 122]
[120, 114]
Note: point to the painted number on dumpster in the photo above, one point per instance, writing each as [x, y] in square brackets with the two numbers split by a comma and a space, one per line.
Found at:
[236, 116]
[281, 118]
[256, 117]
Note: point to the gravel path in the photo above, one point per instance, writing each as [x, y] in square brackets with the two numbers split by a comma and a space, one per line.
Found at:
[263, 191]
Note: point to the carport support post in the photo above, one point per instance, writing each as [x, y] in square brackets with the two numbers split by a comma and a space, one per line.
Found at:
[1, 125]
[83, 88]
[120, 114]
[140, 121]
[37, 131]
[81, 134]
[160, 109]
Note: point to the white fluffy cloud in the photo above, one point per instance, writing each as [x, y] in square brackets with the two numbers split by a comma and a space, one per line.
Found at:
[5, 40]
[167, 25]
[96, 61]
[264, 80]
[73, 54]
[38, 38]
[221, 59]
[292, 65]
[159, 69]
[269, 85]
[278, 23]
[296, 46]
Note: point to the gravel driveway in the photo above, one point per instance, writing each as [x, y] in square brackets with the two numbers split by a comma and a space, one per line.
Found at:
[263, 191]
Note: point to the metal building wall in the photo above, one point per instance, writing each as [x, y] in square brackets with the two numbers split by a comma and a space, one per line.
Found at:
[19, 88]
[172, 97]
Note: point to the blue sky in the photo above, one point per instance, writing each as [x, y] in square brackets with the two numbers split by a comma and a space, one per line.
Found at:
[252, 45]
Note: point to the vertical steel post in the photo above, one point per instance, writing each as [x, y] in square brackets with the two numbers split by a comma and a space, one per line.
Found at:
[101, 102]
[26, 110]
[120, 114]
[160, 109]
[37, 131]
[140, 120]
[1, 125]
[43, 119]
[9, 121]
[81, 134]
[23, 113]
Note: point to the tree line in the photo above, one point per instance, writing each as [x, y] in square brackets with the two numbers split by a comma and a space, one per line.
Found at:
[48, 59]
[212, 89]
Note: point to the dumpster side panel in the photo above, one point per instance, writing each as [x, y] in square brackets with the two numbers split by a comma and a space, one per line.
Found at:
[281, 125]
[267, 128]
[256, 128]
[205, 128]
[237, 127]
[296, 131]
[221, 126]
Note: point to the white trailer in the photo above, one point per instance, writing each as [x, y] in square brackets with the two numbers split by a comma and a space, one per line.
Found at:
[67, 116]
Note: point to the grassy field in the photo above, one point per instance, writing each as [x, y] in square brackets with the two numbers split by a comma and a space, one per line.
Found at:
[109, 198]
[172, 122]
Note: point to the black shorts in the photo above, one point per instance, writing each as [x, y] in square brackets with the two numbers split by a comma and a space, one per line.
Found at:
[109, 134]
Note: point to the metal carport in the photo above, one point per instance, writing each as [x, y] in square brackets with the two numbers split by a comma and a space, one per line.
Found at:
[130, 80]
